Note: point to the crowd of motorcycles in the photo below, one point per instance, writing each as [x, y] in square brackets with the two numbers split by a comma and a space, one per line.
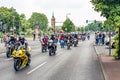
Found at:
[22, 57]
[51, 46]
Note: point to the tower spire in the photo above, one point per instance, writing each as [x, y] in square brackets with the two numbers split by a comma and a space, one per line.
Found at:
[53, 14]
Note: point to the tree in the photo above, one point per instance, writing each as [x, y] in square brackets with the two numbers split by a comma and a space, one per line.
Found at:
[93, 26]
[111, 10]
[39, 19]
[78, 29]
[9, 16]
[24, 24]
[68, 26]
[82, 29]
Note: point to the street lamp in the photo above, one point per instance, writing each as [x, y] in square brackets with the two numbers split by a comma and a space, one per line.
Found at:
[1, 25]
[13, 24]
[67, 15]
[1, 29]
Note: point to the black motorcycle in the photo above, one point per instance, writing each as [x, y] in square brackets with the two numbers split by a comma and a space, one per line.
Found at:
[44, 47]
[75, 42]
[52, 48]
[10, 47]
[68, 44]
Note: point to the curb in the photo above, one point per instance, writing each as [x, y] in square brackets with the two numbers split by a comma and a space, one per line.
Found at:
[100, 62]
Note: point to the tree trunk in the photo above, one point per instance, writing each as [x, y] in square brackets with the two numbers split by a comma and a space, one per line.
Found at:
[119, 44]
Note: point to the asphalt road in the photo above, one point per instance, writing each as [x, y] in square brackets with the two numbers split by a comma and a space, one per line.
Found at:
[79, 63]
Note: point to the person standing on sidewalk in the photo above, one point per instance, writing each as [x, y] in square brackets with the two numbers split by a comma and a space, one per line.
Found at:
[96, 38]
[34, 36]
[100, 38]
[103, 38]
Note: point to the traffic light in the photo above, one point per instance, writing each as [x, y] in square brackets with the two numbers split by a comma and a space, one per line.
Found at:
[95, 21]
[86, 21]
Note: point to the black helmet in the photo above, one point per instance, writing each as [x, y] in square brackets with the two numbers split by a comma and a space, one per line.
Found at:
[11, 37]
[22, 39]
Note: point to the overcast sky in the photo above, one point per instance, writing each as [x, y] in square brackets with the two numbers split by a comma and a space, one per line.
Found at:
[80, 10]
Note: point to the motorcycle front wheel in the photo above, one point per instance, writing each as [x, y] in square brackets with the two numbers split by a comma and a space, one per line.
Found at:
[17, 63]
[8, 55]
[68, 47]
[50, 52]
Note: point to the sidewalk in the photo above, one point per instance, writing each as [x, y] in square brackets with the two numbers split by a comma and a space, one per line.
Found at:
[110, 67]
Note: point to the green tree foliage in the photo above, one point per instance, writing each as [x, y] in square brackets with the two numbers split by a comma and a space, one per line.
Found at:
[78, 29]
[8, 15]
[111, 10]
[82, 29]
[39, 19]
[24, 23]
[68, 26]
[93, 27]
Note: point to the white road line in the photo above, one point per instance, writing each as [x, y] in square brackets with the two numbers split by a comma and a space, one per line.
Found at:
[36, 68]
[9, 59]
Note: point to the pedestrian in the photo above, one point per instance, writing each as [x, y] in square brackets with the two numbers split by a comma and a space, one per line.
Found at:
[103, 38]
[100, 38]
[34, 36]
[96, 38]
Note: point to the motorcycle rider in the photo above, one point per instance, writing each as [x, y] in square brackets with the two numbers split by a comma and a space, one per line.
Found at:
[76, 37]
[88, 36]
[62, 37]
[45, 40]
[70, 38]
[54, 41]
[22, 42]
[11, 40]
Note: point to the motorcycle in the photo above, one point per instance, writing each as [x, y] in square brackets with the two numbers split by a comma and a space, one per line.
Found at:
[62, 43]
[68, 44]
[21, 59]
[88, 37]
[51, 48]
[10, 47]
[75, 42]
[44, 47]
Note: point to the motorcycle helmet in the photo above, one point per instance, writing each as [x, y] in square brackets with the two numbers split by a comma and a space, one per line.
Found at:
[22, 40]
[12, 37]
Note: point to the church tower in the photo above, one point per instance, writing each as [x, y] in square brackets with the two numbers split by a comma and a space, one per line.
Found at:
[53, 21]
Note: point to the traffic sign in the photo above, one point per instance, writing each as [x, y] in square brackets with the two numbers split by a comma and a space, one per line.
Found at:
[5, 26]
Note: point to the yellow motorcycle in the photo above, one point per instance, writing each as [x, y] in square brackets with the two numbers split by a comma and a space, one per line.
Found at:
[20, 58]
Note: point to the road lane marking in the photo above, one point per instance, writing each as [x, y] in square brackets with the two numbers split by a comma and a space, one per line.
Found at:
[36, 68]
[9, 59]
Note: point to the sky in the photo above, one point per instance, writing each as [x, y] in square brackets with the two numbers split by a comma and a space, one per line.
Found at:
[77, 10]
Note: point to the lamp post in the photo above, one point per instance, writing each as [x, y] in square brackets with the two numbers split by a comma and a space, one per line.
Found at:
[40, 27]
[67, 15]
[1, 29]
[1, 25]
[13, 24]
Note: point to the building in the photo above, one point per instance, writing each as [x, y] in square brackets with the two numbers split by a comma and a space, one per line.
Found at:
[53, 21]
